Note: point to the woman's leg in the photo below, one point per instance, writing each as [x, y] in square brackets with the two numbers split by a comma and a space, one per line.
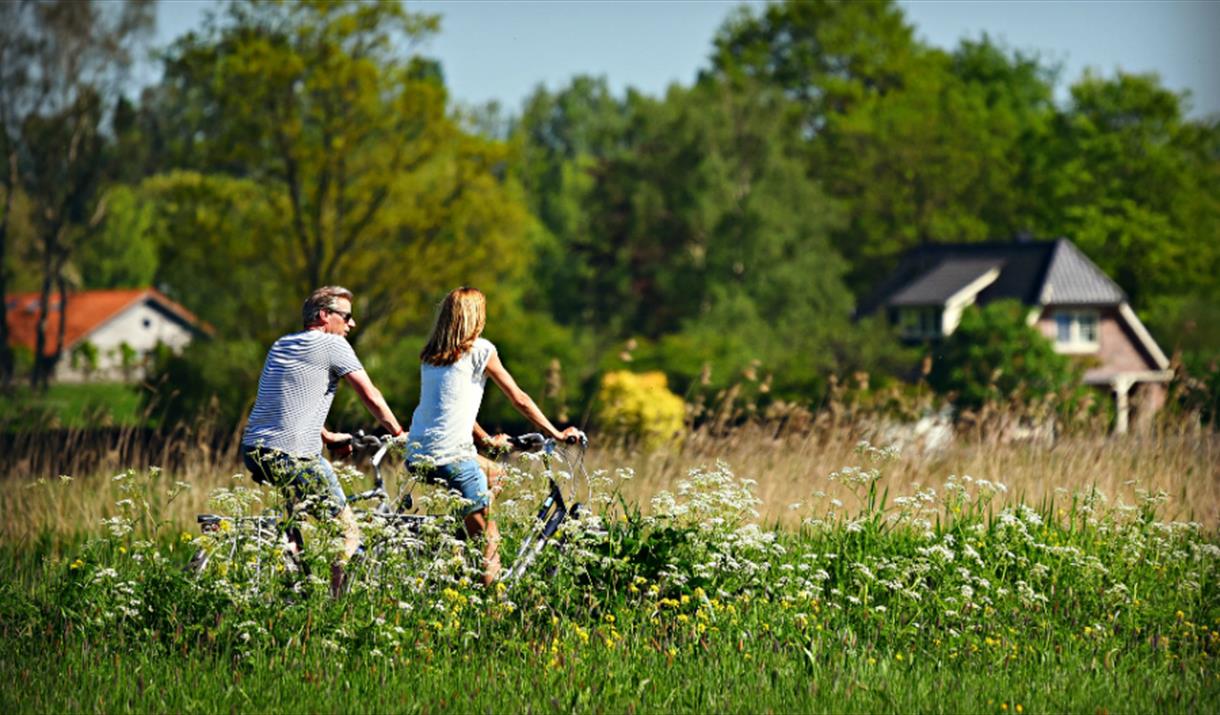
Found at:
[494, 470]
[477, 523]
[469, 479]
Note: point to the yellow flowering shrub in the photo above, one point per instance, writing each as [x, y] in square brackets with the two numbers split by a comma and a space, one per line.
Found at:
[640, 406]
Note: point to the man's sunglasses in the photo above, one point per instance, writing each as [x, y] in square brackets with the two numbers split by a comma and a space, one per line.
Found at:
[346, 316]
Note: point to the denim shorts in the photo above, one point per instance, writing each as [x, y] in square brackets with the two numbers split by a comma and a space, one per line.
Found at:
[298, 477]
[465, 477]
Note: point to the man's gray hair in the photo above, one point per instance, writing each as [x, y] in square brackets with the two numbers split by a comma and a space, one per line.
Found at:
[322, 298]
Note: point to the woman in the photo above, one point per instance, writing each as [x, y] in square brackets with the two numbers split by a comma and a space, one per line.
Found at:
[455, 365]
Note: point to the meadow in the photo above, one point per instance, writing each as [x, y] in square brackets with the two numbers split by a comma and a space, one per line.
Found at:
[745, 571]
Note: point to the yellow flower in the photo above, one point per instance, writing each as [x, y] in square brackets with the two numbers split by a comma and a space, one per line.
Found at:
[185, 537]
[1019, 708]
[77, 564]
[1003, 706]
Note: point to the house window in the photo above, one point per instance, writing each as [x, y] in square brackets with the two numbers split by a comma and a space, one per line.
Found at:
[1076, 329]
[922, 322]
[147, 323]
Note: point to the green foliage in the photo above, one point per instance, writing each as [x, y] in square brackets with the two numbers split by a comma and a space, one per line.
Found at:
[995, 355]
[1139, 186]
[345, 153]
[724, 226]
[72, 406]
[640, 407]
[84, 357]
[215, 236]
[920, 145]
[214, 382]
[688, 224]
[123, 252]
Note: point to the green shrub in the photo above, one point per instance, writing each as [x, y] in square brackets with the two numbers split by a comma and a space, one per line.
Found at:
[640, 407]
[995, 355]
[212, 380]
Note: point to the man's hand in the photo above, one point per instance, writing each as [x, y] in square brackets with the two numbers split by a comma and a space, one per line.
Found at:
[572, 435]
[339, 443]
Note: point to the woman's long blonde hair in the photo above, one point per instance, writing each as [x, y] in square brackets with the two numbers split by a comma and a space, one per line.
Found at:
[459, 320]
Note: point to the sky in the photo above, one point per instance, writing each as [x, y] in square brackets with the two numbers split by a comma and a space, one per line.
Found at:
[500, 50]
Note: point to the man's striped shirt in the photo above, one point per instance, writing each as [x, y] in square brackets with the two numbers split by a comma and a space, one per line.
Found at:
[295, 391]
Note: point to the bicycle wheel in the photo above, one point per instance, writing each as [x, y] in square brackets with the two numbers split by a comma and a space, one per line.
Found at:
[253, 556]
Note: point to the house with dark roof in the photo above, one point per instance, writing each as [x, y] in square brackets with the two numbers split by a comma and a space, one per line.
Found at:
[120, 328]
[1072, 302]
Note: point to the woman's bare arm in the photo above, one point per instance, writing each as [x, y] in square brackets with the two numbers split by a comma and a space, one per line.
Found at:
[522, 401]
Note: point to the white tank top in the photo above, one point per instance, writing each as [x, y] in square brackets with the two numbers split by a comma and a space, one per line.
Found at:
[449, 399]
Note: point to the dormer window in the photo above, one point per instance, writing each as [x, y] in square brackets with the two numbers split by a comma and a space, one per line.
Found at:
[1076, 330]
[920, 323]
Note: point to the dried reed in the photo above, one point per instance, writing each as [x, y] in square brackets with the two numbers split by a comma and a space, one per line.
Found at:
[789, 466]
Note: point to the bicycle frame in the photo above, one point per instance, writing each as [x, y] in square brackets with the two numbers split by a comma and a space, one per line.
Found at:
[551, 515]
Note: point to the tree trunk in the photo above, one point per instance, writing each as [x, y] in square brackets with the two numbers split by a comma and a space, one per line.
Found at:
[52, 268]
[6, 353]
[62, 285]
[38, 379]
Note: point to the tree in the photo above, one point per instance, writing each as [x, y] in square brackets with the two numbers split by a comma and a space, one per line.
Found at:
[919, 145]
[1139, 186]
[344, 148]
[62, 62]
[827, 56]
[123, 251]
[563, 137]
[690, 214]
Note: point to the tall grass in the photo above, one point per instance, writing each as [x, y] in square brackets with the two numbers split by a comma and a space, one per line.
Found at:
[1184, 463]
[789, 467]
[942, 600]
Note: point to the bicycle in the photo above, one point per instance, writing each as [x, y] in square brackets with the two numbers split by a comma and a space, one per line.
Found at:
[555, 509]
[397, 527]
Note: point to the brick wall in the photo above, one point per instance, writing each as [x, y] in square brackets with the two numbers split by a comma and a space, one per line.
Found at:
[1118, 350]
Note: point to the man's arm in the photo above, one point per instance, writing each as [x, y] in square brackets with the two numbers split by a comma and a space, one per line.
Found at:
[372, 399]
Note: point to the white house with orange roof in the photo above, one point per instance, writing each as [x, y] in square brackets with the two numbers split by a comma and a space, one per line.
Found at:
[119, 328]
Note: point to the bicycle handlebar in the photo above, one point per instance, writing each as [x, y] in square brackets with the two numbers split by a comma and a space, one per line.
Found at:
[534, 441]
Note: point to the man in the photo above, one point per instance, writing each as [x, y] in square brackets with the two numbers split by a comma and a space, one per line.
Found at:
[282, 444]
